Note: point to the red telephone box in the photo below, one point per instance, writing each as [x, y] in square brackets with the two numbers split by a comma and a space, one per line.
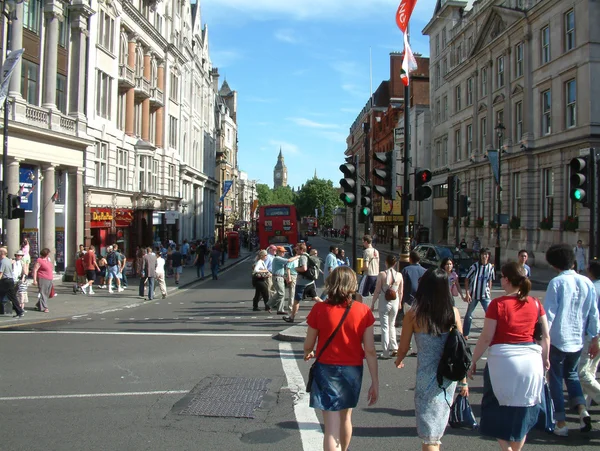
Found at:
[233, 244]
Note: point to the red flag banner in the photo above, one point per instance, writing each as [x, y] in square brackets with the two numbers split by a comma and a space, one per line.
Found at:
[404, 12]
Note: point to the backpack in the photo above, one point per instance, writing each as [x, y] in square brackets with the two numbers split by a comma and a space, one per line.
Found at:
[312, 267]
[111, 259]
[456, 358]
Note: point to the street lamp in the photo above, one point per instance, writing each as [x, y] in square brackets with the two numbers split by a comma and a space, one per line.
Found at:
[9, 10]
[500, 133]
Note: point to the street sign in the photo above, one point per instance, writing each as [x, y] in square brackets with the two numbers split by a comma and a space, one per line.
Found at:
[8, 67]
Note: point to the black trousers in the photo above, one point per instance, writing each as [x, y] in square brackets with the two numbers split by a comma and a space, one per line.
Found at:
[261, 289]
[8, 292]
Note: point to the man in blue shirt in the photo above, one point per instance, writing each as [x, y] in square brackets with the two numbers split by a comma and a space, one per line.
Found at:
[478, 285]
[278, 266]
[410, 276]
[572, 312]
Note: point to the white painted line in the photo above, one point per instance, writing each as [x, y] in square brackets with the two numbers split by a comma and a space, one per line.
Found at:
[117, 319]
[146, 319]
[93, 395]
[207, 317]
[311, 433]
[131, 319]
[221, 317]
[237, 317]
[142, 334]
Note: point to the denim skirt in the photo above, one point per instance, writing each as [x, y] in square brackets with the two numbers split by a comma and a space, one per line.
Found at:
[504, 422]
[335, 387]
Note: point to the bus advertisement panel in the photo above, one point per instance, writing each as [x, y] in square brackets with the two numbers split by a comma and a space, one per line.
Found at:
[277, 224]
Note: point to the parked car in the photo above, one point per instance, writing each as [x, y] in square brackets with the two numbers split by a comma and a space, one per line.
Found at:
[432, 256]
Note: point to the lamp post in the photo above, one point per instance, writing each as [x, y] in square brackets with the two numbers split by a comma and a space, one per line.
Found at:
[223, 212]
[500, 133]
[9, 8]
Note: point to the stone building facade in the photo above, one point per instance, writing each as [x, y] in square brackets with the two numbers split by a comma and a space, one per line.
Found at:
[524, 64]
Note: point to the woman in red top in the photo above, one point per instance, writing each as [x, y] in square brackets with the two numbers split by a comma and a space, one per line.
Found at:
[338, 371]
[514, 375]
[42, 277]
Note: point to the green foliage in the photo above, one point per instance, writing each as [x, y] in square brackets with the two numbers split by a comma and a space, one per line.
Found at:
[314, 194]
[570, 224]
[546, 223]
[279, 196]
[515, 222]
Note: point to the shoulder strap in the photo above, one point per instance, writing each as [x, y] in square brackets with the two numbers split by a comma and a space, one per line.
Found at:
[334, 332]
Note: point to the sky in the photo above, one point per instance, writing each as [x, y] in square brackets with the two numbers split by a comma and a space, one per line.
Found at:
[301, 71]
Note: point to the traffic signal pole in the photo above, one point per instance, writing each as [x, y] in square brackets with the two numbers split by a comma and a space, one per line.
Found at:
[405, 248]
[366, 128]
[594, 171]
[355, 213]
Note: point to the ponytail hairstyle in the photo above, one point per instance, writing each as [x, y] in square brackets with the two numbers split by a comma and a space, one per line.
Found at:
[516, 276]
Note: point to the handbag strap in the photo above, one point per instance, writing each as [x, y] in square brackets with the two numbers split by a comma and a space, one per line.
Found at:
[334, 332]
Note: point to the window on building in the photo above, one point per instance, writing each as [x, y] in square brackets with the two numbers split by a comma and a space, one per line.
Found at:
[32, 11]
[103, 94]
[438, 112]
[518, 121]
[469, 140]
[29, 81]
[444, 38]
[458, 54]
[516, 194]
[445, 107]
[483, 129]
[63, 29]
[121, 110]
[548, 193]
[174, 92]
[520, 48]
[458, 95]
[546, 112]
[171, 180]
[457, 149]
[61, 93]
[437, 76]
[137, 118]
[445, 151]
[152, 127]
[437, 45]
[545, 44]
[444, 67]
[569, 30]
[469, 44]
[122, 165]
[500, 73]
[571, 103]
[101, 164]
[480, 198]
[172, 132]
[155, 173]
[470, 91]
[483, 82]
[106, 31]
[438, 154]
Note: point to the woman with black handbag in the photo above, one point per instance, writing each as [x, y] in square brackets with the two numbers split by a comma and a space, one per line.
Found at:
[343, 332]
[260, 278]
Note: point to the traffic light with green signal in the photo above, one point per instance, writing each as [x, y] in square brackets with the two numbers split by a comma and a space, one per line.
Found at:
[422, 190]
[349, 183]
[580, 180]
[387, 174]
[365, 201]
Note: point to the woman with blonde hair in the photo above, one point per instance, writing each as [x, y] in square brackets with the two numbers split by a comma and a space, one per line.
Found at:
[343, 332]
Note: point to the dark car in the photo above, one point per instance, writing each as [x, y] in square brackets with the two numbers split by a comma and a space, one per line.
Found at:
[432, 256]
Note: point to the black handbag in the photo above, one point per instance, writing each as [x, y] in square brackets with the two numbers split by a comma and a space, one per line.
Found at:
[312, 368]
[537, 330]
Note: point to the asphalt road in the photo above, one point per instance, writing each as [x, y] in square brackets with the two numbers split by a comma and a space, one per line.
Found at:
[119, 380]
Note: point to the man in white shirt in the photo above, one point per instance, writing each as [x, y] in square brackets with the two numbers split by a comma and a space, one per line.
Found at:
[580, 257]
[370, 266]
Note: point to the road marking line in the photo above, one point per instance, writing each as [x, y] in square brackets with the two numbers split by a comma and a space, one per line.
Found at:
[94, 395]
[311, 433]
[148, 334]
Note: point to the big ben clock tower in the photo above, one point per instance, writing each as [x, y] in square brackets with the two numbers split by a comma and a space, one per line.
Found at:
[280, 172]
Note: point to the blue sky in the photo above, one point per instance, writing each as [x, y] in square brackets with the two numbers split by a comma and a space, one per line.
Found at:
[301, 70]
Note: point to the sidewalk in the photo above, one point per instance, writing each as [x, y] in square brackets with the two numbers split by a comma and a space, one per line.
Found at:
[538, 275]
[67, 304]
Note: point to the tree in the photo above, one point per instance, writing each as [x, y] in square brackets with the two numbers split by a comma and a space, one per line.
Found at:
[280, 196]
[317, 193]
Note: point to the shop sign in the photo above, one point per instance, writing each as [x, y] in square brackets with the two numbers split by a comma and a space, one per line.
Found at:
[101, 217]
[123, 218]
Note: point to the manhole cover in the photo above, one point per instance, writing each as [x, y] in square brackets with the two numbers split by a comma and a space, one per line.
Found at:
[236, 397]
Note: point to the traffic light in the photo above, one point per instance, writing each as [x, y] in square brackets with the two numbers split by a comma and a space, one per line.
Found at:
[349, 183]
[580, 180]
[422, 190]
[387, 174]
[452, 185]
[365, 201]
[464, 207]
[13, 207]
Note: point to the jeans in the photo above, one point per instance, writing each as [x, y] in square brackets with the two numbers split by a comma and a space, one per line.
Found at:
[469, 315]
[200, 271]
[150, 287]
[214, 268]
[563, 365]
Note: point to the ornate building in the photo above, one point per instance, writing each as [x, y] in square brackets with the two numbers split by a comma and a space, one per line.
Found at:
[280, 172]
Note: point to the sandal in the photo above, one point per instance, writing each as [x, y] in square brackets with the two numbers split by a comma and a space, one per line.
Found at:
[46, 311]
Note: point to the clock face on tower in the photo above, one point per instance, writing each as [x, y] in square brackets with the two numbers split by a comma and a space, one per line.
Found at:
[278, 175]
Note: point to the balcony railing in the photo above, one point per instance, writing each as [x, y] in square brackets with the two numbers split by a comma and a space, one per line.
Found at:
[126, 75]
[43, 118]
[142, 86]
[156, 96]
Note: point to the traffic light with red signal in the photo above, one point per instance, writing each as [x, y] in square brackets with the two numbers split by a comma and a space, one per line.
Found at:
[422, 190]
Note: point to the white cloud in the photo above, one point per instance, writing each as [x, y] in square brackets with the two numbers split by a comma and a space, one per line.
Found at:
[303, 122]
[286, 35]
[286, 147]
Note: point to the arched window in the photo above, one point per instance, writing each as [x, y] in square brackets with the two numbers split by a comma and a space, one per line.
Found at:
[154, 73]
[139, 61]
[123, 49]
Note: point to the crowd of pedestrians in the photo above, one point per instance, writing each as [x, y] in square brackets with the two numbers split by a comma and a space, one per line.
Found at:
[529, 343]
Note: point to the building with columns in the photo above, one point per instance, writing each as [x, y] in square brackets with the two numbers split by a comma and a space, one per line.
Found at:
[524, 64]
[247, 194]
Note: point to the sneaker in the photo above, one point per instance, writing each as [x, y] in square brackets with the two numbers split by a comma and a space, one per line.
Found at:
[91, 291]
[84, 289]
[121, 289]
[585, 421]
[288, 319]
[562, 432]
[382, 356]
[110, 290]
[19, 316]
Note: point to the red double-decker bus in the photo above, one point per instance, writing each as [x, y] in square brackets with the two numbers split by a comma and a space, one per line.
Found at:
[277, 224]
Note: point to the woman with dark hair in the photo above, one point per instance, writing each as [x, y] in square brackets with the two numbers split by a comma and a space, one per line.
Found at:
[513, 378]
[339, 368]
[430, 318]
[388, 281]
[342, 260]
[453, 279]
[42, 277]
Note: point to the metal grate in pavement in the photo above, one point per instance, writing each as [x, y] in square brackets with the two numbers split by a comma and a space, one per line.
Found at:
[236, 397]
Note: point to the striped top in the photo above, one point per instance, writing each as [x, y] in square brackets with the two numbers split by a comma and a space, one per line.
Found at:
[480, 277]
